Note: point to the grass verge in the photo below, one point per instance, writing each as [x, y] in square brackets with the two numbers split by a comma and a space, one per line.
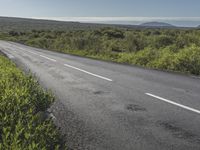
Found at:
[23, 121]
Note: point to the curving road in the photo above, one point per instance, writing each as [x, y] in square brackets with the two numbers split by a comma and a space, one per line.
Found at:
[108, 106]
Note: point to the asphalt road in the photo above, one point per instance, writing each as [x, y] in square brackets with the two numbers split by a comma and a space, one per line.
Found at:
[102, 105]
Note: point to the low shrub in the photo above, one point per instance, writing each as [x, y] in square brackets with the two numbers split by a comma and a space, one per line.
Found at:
[23, 121]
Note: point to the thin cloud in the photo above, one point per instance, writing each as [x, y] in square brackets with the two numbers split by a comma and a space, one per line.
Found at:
[104, 19]
[177, 21]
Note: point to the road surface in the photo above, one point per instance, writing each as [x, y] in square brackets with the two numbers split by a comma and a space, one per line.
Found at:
[109, 106]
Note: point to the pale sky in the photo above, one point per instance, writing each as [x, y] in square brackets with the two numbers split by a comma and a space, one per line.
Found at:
[178, 12]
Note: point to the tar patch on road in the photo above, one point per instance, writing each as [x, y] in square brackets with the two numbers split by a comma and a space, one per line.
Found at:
[98, 92]
[134, 108]
[179, 132]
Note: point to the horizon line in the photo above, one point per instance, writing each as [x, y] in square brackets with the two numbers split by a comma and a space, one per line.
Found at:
[177, 21]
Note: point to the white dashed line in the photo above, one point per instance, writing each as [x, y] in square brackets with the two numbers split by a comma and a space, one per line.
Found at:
[32, 52]
[88, 72]
[27, 50]
[174, 103]
[48, 58]
[38, 54]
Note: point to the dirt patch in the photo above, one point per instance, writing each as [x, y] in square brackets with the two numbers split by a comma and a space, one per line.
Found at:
[133, 107]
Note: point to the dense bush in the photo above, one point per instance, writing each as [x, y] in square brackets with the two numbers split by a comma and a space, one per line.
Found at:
[189, 60]
[163, 41]
[135, 43]
[23, 124]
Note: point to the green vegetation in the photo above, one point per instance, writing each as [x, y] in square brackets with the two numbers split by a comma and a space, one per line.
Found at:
[166, 49]
[23, 102]
[22, 24]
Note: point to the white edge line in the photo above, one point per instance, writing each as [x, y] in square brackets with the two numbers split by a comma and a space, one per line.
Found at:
[48, 58]
[88, 72]
[174, 103]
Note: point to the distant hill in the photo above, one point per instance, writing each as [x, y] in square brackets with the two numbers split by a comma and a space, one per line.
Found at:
[156, 24]
[24, 24]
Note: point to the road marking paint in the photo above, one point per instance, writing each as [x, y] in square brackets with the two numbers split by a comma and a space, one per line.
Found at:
[27, 50]
[38, 54]
[174, 103]
[48, 58]
[32, 53]
[69, 66]
[88, 72]
[20, 48]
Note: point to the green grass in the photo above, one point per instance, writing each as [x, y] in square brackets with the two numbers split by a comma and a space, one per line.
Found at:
[23, 124]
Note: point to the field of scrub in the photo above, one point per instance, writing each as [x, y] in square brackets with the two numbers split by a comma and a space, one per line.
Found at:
[23, 103]
[164, 49]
